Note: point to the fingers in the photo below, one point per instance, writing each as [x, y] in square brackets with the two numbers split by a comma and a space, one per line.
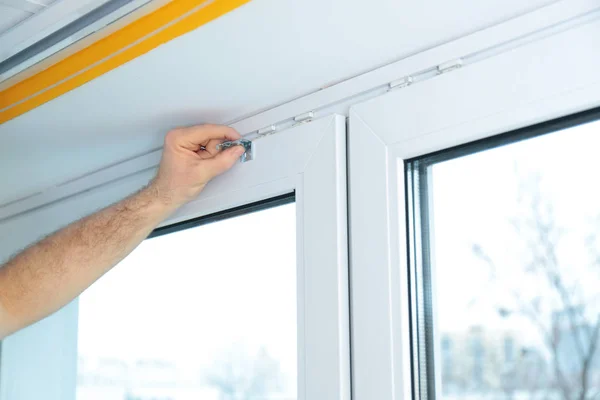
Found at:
[223, 161]
[193, 137]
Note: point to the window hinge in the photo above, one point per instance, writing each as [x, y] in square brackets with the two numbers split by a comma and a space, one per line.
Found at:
[401, 83]
[450, 66]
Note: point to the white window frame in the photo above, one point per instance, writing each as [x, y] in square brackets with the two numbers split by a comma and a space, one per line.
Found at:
[513, 89]
[313, 166]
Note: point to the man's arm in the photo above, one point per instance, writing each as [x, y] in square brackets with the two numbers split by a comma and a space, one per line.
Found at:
[51, 273]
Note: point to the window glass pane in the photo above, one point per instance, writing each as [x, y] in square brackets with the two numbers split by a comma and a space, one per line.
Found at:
[510, 271]
[203, 313]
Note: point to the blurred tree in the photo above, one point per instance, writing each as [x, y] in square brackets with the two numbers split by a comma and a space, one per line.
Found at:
[239, 376]
[562, 304]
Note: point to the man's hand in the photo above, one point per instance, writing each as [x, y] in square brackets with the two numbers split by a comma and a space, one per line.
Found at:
[53, 272]
[191, 159]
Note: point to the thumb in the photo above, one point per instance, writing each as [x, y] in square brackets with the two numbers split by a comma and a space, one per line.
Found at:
[224, 160]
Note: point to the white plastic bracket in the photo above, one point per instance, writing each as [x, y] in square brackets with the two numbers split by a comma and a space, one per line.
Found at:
[304, 117]
[401, 83]
[266, 130]
[450, 66]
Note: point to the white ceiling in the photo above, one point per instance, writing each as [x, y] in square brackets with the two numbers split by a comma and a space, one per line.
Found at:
[25, 22]
[260, 55]
[14, 11]
[9, 17]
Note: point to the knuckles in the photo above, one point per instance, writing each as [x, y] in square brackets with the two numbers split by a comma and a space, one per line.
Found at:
[173, 136]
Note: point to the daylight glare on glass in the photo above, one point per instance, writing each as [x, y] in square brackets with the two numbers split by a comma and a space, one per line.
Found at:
[204, 313]
[515, 239]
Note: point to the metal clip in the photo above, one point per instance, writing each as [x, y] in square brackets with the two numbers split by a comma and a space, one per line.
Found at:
[248, 154]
